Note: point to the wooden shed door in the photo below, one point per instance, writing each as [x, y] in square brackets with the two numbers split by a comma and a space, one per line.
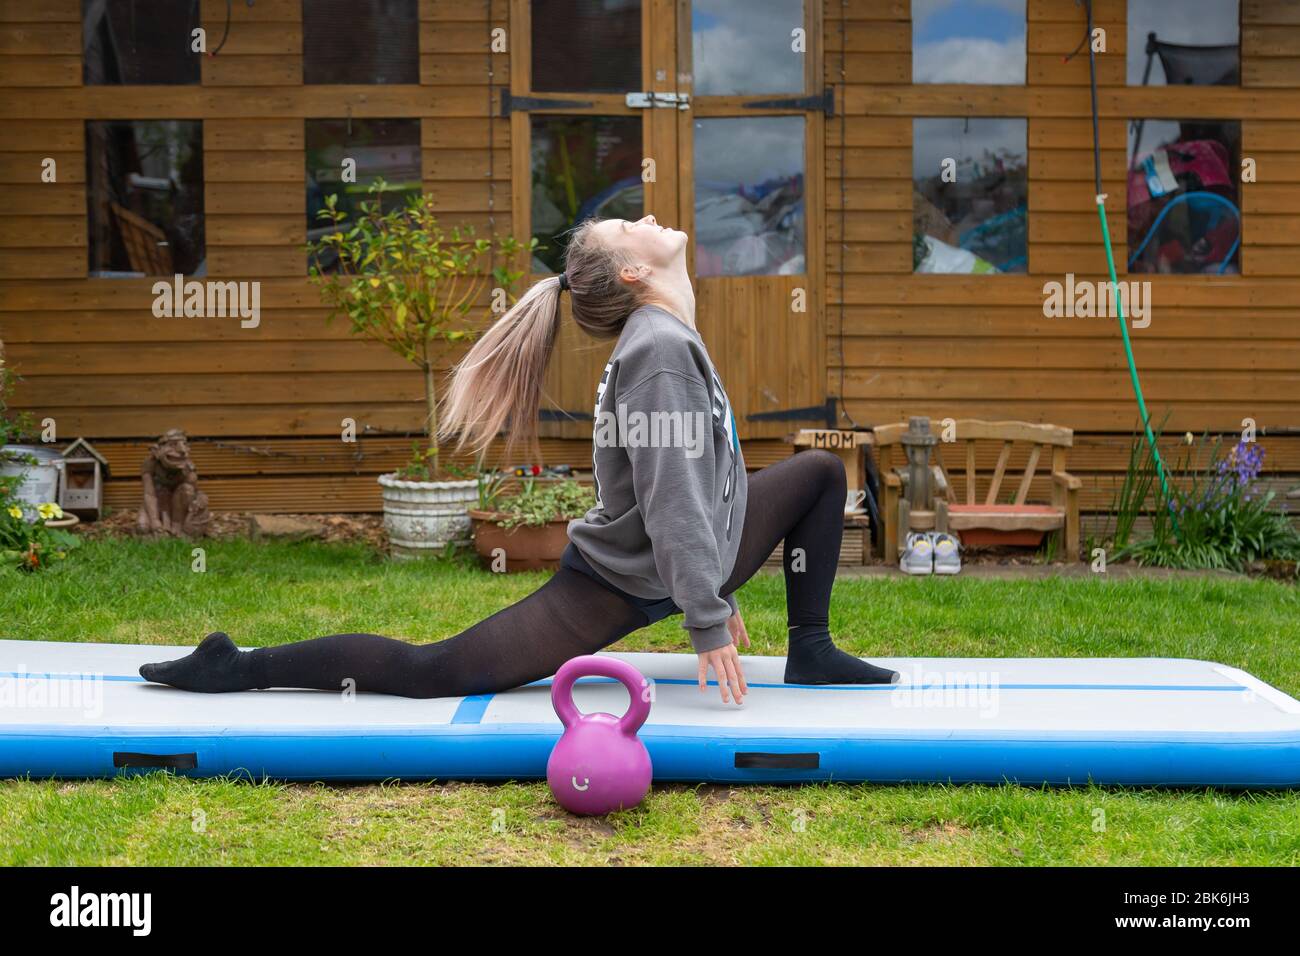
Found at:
[581, 132]
[751, 191]
[708, 115]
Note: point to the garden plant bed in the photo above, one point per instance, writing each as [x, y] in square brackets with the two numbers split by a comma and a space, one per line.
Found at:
[334, 528]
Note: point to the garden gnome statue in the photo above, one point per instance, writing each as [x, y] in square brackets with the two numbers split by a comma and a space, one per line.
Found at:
[173, 503]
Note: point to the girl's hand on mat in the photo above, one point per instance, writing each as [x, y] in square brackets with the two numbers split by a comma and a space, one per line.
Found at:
[737, 628]
[725, 662]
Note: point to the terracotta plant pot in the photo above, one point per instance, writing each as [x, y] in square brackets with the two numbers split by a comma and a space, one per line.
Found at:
[524, 548]
[423, 517]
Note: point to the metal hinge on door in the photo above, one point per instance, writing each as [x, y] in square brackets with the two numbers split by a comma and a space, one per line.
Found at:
[824, 101]
[809, 413]
[654, 98]
[511, 103]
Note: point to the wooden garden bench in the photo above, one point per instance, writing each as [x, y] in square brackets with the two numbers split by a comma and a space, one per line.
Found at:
[1007, 518]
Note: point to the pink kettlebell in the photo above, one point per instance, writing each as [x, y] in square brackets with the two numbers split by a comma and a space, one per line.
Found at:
[599, 764]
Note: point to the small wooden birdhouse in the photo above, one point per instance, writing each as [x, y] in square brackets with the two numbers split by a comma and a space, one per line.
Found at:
[83, 480]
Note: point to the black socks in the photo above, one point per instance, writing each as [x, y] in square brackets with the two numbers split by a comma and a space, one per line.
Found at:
[814, 659]
[216, 666]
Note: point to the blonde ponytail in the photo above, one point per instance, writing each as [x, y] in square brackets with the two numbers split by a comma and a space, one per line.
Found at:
[500, 378]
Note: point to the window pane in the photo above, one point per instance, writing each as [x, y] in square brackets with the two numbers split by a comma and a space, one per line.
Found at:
[144, 197]
[348, 42]
[1183, 211]
[970, 204]
[968, 41]
[138, 43]
[583, 166]
[745, 46]
[387, 149]
[749, 196]
[586, 46]
[1180, 42]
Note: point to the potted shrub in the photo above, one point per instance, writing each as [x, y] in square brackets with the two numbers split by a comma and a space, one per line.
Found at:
[527, 531]
[30, 472]
[398, 277]
[27, 507]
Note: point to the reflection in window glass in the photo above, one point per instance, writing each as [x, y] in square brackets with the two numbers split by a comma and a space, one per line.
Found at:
[586, 46]
[143, 42]
[144, 197]
[1183, 206]
[743, 47]
[387, 149]
[749, 196]
[583, 166]
[1178, 42]
[348, 42]
[968, 41]
[970, 201]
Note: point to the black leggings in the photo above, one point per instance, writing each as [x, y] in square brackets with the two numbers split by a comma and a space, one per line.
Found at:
[800, 500]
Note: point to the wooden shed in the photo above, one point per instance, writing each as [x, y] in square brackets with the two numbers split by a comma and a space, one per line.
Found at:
[784, 135]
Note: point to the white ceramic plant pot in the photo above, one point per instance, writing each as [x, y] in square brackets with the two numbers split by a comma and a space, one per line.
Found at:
[40, 482]
[423, 517]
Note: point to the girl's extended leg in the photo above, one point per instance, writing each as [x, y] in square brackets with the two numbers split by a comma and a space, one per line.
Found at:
[568, 616]
[801, 501]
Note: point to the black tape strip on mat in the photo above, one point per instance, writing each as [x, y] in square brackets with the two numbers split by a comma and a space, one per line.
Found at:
[767, 761]
[171, 761]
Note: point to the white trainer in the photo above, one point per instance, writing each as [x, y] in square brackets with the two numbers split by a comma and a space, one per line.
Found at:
[947, 557]
[918, 554]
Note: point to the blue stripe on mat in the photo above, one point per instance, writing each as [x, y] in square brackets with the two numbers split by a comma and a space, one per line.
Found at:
[121, 678]
[546, 682]
[471, 709]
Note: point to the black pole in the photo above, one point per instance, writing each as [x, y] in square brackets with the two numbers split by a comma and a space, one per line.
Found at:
[1092, 86]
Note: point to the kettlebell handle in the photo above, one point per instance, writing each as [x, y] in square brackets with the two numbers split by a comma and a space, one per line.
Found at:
[592, 665]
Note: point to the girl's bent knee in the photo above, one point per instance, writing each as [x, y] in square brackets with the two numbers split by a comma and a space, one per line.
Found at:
[826, 467]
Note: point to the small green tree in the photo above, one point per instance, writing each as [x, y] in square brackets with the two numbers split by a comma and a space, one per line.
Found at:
[404, 281]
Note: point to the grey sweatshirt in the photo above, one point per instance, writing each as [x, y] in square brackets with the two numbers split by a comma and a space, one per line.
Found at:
[670, 479]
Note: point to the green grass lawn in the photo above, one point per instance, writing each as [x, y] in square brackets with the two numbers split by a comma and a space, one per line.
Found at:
[136, 592]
